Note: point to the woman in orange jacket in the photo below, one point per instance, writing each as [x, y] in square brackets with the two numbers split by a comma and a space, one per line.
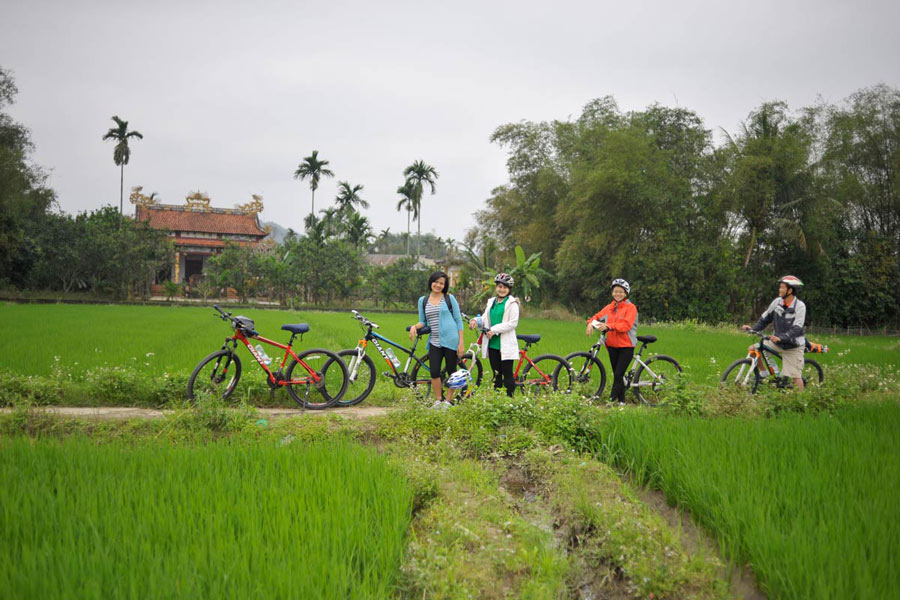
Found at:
[618, 320]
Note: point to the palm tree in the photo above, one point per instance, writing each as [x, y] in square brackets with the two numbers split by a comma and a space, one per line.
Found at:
[121, 153]
[407, 191]
[419, 174]
[314, 169]
[348, 197]
[359, 231]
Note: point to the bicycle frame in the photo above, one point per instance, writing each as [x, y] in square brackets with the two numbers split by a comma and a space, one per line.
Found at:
[377, 340]
[632, 367]
[274, 378]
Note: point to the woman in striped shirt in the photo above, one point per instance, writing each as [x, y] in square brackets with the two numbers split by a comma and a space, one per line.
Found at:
[440, 311]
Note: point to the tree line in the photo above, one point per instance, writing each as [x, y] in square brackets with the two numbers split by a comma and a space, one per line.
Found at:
[703, 230]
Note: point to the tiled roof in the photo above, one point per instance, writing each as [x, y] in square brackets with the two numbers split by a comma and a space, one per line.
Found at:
[178, 218]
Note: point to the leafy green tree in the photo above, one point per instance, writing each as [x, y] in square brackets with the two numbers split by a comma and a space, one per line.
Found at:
[313, 168]
[420, 174]
[528, 274]
[122, 151]
[402, 282]
[358, 230]
[24, 197]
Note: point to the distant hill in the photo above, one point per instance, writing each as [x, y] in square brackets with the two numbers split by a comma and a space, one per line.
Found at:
[278, 232]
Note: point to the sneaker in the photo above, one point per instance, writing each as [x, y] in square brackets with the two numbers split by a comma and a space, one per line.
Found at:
[440, 405]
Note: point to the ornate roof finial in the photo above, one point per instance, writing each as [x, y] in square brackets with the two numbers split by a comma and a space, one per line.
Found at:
[254, 207]
[197, 201]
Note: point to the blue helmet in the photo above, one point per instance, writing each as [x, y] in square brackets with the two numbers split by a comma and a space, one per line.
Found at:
[459, 380]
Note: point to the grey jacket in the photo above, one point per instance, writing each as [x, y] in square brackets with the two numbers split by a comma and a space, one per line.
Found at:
[789, 322]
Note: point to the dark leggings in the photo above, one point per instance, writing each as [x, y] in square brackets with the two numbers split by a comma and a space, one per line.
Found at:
[619, 358]
[503, 371]
[435, 354]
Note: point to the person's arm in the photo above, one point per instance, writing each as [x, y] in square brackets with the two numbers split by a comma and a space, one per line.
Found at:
[457, 317]
[421, 323]
[766, 317]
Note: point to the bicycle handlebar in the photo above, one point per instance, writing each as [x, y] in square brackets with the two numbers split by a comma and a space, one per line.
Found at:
[366, 322]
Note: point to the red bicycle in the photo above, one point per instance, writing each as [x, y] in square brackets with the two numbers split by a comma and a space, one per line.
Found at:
[320, 380]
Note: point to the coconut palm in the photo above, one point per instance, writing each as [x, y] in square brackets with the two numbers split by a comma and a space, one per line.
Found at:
[420, 174]
[407, 192]
[348, 198]
[122, 152]
[313, 169]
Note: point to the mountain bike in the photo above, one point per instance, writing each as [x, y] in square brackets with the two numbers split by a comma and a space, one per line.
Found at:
[744, 372]
[315, 378]
[545, 373]
[649, 379]
[361, 369]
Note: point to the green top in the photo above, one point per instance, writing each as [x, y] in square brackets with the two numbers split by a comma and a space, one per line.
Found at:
[497, 317]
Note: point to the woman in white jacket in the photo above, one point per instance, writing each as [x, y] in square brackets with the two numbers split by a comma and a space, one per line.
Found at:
[501, 315]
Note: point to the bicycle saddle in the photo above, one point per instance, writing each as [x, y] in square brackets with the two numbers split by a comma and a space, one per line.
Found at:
[529, 339]
[421, 331]
[296, 328]
[647, 339]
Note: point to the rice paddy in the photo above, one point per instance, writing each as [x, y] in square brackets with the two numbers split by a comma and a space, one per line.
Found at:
[81, 519]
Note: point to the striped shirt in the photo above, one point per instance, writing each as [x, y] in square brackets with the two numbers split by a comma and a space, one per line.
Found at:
[433, 318]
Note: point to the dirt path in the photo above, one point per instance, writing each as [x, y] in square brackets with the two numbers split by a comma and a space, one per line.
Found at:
[128, 412]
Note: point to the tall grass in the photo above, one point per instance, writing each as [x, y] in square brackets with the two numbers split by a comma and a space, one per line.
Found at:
[80, 519]
[811, 502]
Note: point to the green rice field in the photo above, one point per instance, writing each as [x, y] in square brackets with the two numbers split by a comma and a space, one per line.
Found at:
[172, 340]
[809, 502]
[82, 519]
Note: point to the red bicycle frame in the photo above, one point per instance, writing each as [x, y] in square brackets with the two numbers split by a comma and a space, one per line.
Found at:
[312, 378]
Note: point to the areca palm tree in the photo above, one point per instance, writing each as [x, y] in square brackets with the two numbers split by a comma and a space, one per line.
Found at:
[122, 152]
[407, 201]
[359, 231]
[348, 197]
[420, 174]
[313, 169]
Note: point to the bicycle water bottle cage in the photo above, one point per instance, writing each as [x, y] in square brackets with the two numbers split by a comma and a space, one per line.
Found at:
[529, 339]
[421, 331]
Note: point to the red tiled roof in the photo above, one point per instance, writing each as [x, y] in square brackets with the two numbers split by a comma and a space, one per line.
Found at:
[207, 243]
[181, 219]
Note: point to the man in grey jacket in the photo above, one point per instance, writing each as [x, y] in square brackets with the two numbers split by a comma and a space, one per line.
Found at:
[788, 314]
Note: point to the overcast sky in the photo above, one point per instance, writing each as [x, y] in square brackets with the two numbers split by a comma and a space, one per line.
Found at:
[230, 96]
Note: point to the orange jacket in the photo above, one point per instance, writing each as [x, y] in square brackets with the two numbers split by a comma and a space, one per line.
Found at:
[621, 317]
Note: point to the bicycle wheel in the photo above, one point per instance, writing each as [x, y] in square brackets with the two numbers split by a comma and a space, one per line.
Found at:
[812, 373]
[588, 375]
[332, 382]
[473, 364]
[548, 373]
[740, 374]
[217, 375]
[361, 373]
[420, 376]
[658, 377]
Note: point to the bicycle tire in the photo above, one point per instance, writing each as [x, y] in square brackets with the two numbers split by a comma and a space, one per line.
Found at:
[585, 370]
[738, 374]
[216, 376]
[473, 364]
[654, 394]
[326, 392]
[555, 375]
[420, 387]
[816, 369]
[358, 388]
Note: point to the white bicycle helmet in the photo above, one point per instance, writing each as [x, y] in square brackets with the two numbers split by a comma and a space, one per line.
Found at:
[505, 278]
[459, 380]
[622, 284]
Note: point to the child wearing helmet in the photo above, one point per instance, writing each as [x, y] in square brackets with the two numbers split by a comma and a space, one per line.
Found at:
[788, 314]
[500, 318]
[618, 320]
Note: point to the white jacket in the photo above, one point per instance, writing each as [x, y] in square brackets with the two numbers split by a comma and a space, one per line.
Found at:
[509, 345]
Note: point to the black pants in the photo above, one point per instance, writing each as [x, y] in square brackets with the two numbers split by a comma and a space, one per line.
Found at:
[436, 354]
[503, 372]
[619, 358]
